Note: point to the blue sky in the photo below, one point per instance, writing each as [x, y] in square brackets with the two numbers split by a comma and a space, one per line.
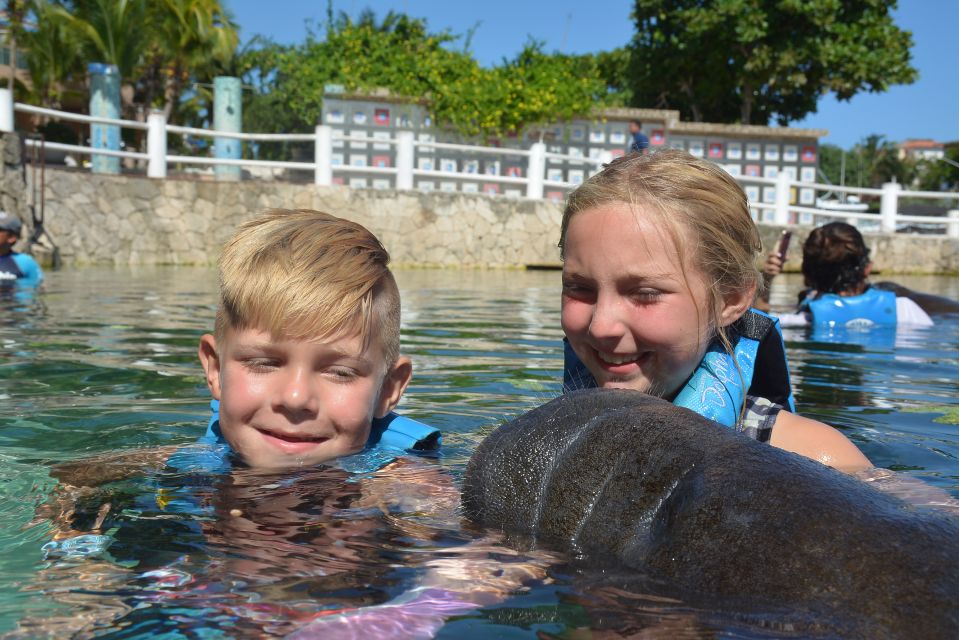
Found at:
[928, 108]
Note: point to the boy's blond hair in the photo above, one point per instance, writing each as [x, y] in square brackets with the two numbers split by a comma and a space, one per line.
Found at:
[308, 275]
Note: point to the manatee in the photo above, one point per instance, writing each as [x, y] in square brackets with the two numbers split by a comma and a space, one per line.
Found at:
[629, 482]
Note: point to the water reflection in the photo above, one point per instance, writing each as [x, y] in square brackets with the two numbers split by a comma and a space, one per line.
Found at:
[105, 360]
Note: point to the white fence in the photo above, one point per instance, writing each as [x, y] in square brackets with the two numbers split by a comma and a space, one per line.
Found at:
[778, 206]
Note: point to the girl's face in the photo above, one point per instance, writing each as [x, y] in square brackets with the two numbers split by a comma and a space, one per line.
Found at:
[631, 314]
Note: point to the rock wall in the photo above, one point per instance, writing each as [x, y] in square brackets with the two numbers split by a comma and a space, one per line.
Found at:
[13, 197]
[99, 219]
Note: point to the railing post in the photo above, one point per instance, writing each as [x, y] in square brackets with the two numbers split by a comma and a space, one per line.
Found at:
[781, 213]
[323, 155]
[6, 110]
[104, 103]
[156, 145]
[888, 205]
[227, 116]
[404, 160]
[952, 229]
[535, 170]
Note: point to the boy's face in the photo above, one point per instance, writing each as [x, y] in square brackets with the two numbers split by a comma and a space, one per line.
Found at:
[286, 403]
[7, 240]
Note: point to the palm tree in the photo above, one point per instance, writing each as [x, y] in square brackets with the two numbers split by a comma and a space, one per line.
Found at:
[156, 45]
[879, 162]
[109, 31]
[54, 54]
[192, 38]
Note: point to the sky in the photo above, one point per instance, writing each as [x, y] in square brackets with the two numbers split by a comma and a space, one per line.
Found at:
[928, 108]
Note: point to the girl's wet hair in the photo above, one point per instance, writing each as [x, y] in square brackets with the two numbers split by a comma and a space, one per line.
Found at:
[835, 258]
[701, 207]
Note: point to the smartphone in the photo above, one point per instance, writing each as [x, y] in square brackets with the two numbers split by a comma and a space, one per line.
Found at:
[783, 245]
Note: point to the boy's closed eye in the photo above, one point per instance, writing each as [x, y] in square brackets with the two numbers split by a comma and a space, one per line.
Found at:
[261, 364]
[343, 374]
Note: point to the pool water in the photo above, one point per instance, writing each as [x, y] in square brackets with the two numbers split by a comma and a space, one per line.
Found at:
[104, 361]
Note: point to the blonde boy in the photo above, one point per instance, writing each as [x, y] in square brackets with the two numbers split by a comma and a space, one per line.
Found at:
[305, 351]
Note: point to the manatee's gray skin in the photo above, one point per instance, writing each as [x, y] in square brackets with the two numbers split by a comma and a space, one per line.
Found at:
[621, 478]
[933, 305]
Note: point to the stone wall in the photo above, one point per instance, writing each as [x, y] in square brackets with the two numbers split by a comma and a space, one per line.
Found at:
[13, 198]
[98, 219]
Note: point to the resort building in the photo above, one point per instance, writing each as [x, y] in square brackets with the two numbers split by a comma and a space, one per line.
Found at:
[921, 149]
[743, 150]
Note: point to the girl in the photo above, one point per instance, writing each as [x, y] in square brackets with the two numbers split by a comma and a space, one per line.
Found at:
[658, 275]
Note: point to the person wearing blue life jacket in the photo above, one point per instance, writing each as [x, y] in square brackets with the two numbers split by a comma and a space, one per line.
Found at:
[658, 258]
[836, 270]
[15, 267]
[304, 358]
[303, 365]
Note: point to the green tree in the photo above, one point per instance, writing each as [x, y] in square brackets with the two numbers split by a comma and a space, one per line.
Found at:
[53, 53]
[534, 88]
[158, 46]
[941, 175]
[831, 163]
[191, 39]
[401, 54]
[877, 161]
[613, 67]
[14, 14]
[751, 61]
[109, 31]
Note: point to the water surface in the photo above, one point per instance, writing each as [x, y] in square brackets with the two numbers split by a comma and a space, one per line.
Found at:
[104, 360]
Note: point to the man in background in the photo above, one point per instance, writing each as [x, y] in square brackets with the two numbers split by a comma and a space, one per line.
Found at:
[640, 141]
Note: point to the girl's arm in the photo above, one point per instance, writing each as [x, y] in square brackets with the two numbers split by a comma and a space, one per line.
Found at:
[827, 445]
[818, 441]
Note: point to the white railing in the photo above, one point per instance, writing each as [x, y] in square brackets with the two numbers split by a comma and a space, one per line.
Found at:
[777, 204]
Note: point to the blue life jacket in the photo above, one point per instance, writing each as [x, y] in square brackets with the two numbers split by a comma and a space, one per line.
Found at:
[390, 436]
[21, 268]
[874, 307]
[717, 389]
[211, 455]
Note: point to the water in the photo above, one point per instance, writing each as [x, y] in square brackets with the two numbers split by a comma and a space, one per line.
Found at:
[105, 361]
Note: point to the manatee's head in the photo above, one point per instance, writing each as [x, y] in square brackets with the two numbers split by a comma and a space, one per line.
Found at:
[586, 470]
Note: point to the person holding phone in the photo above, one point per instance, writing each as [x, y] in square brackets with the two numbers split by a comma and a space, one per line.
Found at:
[836, 268]
[771, 268]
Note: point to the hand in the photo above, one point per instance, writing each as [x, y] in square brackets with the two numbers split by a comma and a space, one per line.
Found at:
[773, 265]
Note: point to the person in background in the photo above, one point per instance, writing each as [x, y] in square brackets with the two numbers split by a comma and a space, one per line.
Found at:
[640, 142]
[14, 266]
[836, 270]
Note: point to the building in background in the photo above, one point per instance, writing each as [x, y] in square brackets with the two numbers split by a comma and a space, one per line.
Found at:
[921, 149]
[742, 150]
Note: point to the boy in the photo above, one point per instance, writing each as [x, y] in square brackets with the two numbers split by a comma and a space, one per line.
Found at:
[304, 368]
[303, 364]
[304, 357]
[14, 266]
